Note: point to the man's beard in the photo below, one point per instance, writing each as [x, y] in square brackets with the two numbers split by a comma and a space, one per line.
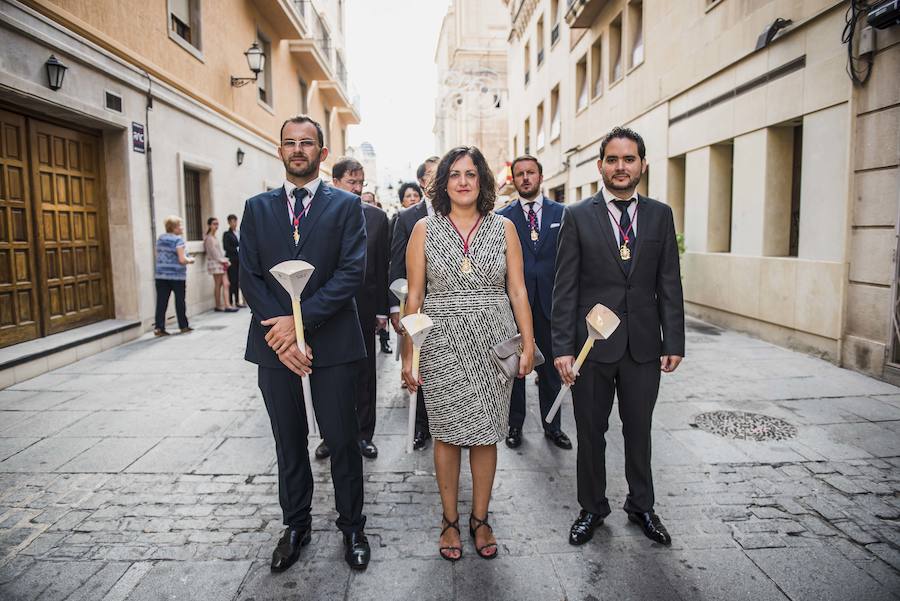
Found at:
[609, 184]
[534, 193]
[312, 167]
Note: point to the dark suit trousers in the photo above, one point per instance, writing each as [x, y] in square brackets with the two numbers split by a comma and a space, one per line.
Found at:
[366, 387]
[636, 385]
[233, 279]
[548, 378]
[332, 389]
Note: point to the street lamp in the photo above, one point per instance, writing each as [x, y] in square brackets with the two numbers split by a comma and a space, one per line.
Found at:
[56, 72]
[240, 156]
[256, 60]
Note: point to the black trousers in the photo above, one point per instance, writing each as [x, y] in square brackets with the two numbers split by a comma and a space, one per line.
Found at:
[548, 378]
[636, 385]
[163, 289]
[234, 291]
[332, 391]
[366, 388]
[384, 335]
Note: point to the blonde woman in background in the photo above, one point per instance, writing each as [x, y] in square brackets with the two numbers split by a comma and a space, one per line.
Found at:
[171, 275]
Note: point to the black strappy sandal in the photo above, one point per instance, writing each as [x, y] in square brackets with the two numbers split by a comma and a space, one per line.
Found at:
[441, 550]
[480, 550]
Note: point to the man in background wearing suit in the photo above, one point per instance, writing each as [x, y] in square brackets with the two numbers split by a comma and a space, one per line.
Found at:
[231, 243]
[308, 220]
[618, 248]
[402, 229]
[371, 300]
[537, 220]
[384, 338]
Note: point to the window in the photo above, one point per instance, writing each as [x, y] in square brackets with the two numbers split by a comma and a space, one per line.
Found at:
[554, 21]
[581, 84]
[184, 22]
[539, 143]
[498, 101]
[344, 139]
[597, 68]
[304, 97]
[595, 187]
[796, 164]
[341, 70]
[264, 80]
[675, 186]
[555, 121]
[527, 136]
[193, 210]
[326, 128]
[527, 62]
[540, 42]
[636, 32]
[559, 193]
[615, 49]
[515, 146]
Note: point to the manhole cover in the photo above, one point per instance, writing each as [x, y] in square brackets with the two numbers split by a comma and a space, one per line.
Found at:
[744, 425]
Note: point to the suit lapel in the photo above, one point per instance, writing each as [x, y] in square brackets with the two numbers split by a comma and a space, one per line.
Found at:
[602, 214]
[546, 219]
[642, 213]
[318, 206]
[278, 208]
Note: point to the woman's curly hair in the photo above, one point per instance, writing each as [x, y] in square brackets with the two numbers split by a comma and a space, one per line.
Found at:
[487, 185]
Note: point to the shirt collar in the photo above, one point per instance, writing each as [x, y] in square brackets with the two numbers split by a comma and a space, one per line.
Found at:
[311, 187]
[609, 197]
[537, 200]
[429, 207]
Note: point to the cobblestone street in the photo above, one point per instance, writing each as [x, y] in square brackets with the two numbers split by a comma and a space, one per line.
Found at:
[147, 472]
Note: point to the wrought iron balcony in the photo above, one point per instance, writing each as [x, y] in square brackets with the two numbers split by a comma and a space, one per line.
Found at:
[581, 14]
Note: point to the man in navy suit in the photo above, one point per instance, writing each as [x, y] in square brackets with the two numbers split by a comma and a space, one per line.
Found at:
[308, 220]
[537, 220]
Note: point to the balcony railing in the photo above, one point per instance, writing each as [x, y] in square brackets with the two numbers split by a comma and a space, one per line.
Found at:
[581, 14]
[300, 7]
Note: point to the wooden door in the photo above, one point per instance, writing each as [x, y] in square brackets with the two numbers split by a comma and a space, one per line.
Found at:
[19, 312]
[69, 210]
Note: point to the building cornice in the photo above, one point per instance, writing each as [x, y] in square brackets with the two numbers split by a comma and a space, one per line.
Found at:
[522, 18]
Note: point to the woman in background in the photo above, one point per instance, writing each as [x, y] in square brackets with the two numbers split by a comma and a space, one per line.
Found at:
[216, 265]
[171, 275]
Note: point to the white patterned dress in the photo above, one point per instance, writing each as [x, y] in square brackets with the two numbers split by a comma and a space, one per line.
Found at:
[467, 397]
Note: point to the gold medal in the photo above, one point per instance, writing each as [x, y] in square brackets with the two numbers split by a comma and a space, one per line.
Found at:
[534, 236]
[296, 236]
[625, 252]
[466, 266]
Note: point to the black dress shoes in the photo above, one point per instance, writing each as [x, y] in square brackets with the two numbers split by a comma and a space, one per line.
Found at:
[514, 439]
[357, 551]
[288, 549]
[559, 438]
[386, 347]
[322, 451]
[583, 529]
[421, 440]
[368, 450]
[652, 526]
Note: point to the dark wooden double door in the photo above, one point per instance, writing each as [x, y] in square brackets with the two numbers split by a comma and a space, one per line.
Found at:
[53, 266]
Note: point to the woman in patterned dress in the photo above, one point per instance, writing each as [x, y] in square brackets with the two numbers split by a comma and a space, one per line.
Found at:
[472, 261]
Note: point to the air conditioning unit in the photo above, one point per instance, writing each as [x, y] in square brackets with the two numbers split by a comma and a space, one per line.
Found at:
[884, 14]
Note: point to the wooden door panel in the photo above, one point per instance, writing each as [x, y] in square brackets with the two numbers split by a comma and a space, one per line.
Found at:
[19, 316]
[75, 287]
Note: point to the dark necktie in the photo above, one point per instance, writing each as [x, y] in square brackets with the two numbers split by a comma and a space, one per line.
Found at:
[299, 195]
[532, 224]
[626, 231]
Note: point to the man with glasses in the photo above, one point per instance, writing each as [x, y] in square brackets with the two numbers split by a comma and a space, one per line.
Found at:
[371, 301]
[308, 220]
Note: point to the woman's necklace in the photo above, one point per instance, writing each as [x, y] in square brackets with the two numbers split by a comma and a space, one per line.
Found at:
[466, 265]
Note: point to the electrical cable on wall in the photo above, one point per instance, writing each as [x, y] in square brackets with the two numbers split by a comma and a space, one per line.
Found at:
[858, 69]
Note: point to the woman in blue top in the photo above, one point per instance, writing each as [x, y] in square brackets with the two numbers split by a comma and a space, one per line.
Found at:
[171, 273]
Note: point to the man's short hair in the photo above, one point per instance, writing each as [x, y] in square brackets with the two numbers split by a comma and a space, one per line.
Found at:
[526, 157]
[305, 119]
[432, 160]
[623, 132]
[345, 165]
[231, 217]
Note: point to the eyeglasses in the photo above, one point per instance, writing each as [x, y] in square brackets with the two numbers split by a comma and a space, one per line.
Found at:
[305, 144]
[354, 182]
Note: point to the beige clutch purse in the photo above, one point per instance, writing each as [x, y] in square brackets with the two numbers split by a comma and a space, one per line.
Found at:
[505, 356]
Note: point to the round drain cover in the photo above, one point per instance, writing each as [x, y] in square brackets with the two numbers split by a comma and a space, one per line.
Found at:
[744, 425]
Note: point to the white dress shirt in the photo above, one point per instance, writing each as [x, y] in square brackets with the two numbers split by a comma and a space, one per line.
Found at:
[311, 188]
[615, 214]
[538, 206]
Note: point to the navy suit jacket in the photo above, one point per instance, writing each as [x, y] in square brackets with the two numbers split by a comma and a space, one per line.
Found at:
[333, 240]
[540, 257]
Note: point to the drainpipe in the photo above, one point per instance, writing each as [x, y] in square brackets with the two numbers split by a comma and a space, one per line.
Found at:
[148, 154]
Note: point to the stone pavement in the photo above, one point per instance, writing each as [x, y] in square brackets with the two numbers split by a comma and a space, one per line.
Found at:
[147, 472]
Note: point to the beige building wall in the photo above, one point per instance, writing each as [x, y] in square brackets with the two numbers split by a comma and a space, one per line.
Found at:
[183, 97]
[724, 123]
[471, 103]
